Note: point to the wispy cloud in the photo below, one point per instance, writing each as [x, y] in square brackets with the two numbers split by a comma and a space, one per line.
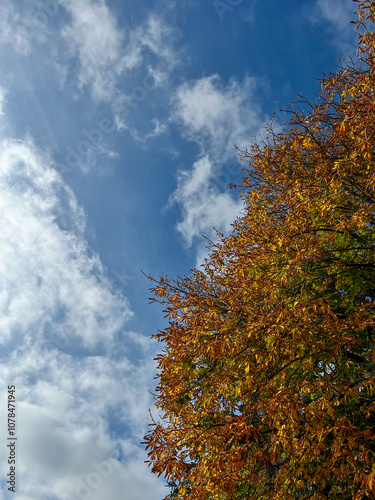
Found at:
[151, 50]
[336, 16]
[12, 29]
[337, 12]
[157, 37]
[106, 53]
[94, 37]
[20, 26]
[92, 55]
[216, 116]
[203, 206]
[80, 377]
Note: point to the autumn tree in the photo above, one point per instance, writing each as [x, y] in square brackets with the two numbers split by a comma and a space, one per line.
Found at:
[267, 374]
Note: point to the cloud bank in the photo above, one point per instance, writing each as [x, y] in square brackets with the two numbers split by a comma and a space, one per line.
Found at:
[81, 378]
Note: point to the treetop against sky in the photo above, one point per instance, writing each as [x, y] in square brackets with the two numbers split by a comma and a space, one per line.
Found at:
[118, 126]
[267, 373]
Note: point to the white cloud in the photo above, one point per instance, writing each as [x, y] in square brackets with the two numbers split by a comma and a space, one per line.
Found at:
[156, 36]
[22, 24]
[337, 12]
[89, 51]
[106, 53]
[94, 37]
[203, 206]
[336, 16]
[150, 46]
[65, 440]
[12, 29]
[217, 117]
[81, 412]
[51, 280]
[95, 47]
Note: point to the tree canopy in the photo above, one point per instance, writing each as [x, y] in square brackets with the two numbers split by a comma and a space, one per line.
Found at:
[266, 381]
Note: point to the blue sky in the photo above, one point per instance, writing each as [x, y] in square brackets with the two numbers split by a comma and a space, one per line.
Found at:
[118, 121]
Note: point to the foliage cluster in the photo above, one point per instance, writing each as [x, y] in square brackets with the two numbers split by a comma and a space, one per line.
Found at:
[267, 377]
